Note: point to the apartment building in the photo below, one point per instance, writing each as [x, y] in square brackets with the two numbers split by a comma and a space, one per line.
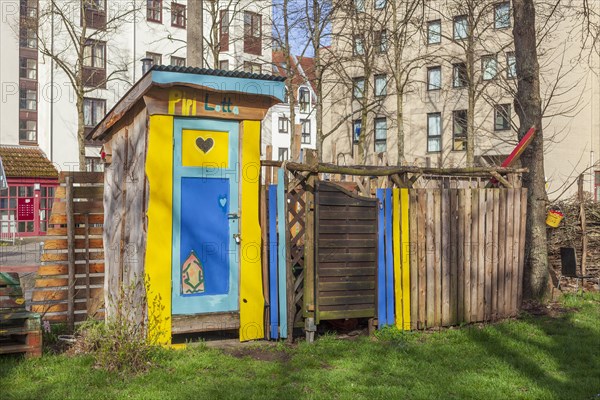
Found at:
[277, 127]
[457, 72]
[102, 42]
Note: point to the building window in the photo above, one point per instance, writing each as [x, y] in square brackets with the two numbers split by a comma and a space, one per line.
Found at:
[28, 38]
[29, 8]
[252, 68]
[380, 135]
[356, 128]
[94, 64]
[434, 132]
[154, 11]
[94, 53]
[178, 61]
[252, 33]
[358, 88]
[434, 32]
[489, 66]
[178, 15]
[358, 46]
[282, 153]
[305, 131]
[502, 15]
[94, 164]
[304, 100]
[27, 68]
[381, 41]
[224, 65]
[380, 85]
[283, 125]
[156, 58]
[511, 65]
[224, 31]
[94, 14]
[459, 75]
[359, 5]
[93, 111]
[502, 117]
[434, 78]
[46, 201]
[459, 130]
[27, 131]
[380, 4]
[28, 99]
[597, 185]
[461, 27]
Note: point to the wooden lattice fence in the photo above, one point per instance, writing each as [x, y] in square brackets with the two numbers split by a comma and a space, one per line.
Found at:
[70, 283]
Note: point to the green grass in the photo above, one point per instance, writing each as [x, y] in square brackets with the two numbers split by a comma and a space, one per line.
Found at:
[534, 357]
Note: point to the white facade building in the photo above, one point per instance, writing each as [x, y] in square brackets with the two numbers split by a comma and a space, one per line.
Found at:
[38, 106]
[277, 127]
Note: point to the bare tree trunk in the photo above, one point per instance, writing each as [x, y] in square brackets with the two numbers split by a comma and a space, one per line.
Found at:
[528, 106]
[80, 131]
[316, 40]
[470, 50]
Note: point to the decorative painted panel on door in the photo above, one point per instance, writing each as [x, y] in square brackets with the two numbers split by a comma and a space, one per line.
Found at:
[205, 267]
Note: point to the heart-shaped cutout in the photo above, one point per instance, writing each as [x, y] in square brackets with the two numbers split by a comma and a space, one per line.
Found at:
[205, 144]
[223, 201]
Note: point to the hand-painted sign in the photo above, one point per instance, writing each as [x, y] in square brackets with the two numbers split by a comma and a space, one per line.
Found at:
[205, 103]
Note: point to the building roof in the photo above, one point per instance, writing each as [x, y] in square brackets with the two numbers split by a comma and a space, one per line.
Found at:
[26, 162]
[302, 68]
[217, 72]
[270, 87]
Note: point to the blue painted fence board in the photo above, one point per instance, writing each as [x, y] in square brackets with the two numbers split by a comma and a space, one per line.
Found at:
[282, 232]
[389, 259]
[381, 288]
[273, 295]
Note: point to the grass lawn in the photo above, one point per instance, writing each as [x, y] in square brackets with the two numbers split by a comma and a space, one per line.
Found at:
[555, 355]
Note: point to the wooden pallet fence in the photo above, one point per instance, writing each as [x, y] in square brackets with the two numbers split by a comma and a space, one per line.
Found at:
[70, 284]
[466, 255]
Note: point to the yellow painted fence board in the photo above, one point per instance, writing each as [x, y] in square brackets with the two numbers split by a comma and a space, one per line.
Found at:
[252, 301]
[397, 240]
[405, 245]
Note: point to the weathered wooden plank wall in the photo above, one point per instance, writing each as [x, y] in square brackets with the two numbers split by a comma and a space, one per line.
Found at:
[466, 255]
[126, 202]
[69, 286]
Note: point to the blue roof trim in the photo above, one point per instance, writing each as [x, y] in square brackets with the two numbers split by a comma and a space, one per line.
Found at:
[272, 88]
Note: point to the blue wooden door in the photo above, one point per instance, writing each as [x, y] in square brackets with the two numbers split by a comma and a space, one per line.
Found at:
[205, 217]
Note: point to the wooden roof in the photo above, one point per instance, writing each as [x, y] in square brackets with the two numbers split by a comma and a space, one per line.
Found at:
[26, 162]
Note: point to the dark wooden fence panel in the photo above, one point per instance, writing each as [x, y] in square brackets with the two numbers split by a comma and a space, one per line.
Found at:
[346, 254]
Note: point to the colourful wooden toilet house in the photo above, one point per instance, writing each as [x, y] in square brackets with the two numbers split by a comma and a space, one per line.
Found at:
[182, 152]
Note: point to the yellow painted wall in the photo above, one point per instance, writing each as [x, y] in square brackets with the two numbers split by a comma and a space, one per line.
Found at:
[159, 170]
[252, 301]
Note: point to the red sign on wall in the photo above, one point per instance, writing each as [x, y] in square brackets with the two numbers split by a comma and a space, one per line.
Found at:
[25, 211]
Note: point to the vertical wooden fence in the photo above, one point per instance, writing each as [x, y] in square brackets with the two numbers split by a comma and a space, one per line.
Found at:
[70, 283]
[466, 254]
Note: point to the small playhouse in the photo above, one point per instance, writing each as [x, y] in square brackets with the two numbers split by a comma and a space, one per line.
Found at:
[182, 148]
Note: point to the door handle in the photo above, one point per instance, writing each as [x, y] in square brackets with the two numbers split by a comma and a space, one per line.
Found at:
[237, 237]
[233, 216]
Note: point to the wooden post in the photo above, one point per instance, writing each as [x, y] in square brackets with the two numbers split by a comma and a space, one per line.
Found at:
[269, 170]
[70, 252]
[309, 249]
[584, 237]
[265, 256]
[87, 262]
